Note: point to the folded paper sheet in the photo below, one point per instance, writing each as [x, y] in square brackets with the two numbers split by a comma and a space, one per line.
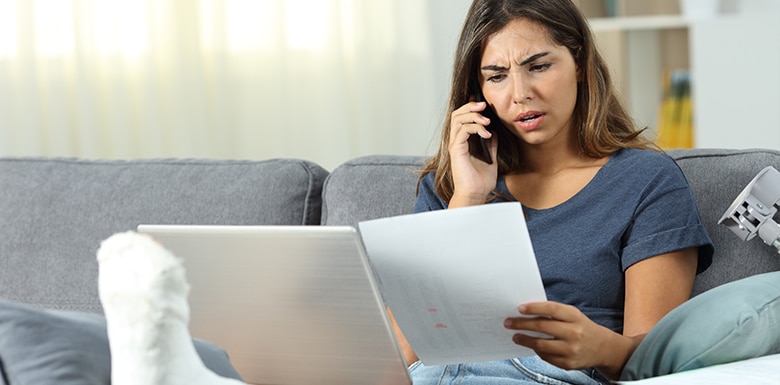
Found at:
[451, 277]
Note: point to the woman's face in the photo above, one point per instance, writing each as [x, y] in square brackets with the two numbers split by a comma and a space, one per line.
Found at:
[531, 82]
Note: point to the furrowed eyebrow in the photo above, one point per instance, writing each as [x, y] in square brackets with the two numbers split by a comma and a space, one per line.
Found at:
[534, 58]
[495, 67]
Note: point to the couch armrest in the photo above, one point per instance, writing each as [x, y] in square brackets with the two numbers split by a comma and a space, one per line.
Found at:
[716, 177]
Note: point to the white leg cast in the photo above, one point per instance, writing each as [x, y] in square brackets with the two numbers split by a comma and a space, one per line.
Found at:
[144, 291]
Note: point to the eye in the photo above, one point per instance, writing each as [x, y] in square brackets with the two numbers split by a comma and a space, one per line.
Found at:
[495, 78]
[539, 67]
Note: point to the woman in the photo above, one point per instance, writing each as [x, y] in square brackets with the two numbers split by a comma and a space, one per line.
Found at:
[615, 228]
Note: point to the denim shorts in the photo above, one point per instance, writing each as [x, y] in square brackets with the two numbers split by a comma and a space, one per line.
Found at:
[524, 370]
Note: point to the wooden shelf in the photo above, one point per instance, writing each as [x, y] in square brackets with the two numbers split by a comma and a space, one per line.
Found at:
[639, 50]
[734, 103]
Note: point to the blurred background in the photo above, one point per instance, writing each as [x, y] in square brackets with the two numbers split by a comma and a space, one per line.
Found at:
[329, 80]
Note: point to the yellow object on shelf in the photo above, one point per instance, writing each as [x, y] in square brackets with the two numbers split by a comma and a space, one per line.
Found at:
[675, 116]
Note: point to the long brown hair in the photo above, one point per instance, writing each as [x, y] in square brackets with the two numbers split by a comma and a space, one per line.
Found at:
[603, 123]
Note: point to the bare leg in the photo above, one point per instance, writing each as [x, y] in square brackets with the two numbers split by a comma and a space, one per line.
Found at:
[144, 290]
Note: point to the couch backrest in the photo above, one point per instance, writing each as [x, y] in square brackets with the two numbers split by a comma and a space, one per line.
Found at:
[716, 177]
[55, 212]
[370, 187]
[380, 186]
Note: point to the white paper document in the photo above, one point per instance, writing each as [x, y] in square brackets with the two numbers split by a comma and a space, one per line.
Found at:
[757, 371]
[451, 277]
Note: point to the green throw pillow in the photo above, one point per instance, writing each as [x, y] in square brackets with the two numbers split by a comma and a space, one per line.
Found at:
[732, 322]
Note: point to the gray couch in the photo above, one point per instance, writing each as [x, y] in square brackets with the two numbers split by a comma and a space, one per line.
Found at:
[54, 212]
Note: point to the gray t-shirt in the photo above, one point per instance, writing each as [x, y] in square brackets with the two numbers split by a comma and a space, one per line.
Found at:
[638, 205]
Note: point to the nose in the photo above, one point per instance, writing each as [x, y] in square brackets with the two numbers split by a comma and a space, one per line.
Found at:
[521, 90]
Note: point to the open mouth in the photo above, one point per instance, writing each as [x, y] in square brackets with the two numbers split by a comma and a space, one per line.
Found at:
[530, 118]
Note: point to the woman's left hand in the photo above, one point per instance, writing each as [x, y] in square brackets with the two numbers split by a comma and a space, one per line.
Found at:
[574, 342]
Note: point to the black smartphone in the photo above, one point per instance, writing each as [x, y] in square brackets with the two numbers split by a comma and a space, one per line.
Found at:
[479, 147]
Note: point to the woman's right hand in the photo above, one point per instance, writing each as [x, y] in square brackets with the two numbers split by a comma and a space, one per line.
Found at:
[473, 179]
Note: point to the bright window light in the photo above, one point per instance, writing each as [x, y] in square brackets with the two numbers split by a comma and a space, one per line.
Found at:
[53, 20]
[306, 23]
[209, 30]
[262, 25]
[251, 25]
[8, 29]
[121, 27]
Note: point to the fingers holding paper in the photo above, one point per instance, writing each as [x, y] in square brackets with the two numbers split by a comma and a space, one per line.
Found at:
[571, 341]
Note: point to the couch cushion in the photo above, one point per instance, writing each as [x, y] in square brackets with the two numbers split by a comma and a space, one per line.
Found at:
[716, 177]
[55, 212]
[66, 347]
[370, 187]
[732, 322]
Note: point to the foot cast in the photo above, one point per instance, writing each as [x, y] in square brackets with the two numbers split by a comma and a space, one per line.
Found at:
[144, 290]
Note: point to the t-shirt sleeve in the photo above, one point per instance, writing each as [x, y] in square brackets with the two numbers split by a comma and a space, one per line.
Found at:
[667, 219]
[427, 199]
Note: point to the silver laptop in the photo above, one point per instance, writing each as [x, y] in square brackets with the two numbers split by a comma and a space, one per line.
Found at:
[289, 304]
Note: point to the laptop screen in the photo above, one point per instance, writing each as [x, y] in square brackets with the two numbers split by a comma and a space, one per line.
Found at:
[289, 304]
